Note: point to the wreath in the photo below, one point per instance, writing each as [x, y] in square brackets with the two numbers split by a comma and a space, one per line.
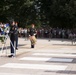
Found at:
[2, 36]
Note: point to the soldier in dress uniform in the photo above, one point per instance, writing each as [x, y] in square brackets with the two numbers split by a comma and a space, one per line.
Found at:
[32, 34]
[16, 35]
[12, 33]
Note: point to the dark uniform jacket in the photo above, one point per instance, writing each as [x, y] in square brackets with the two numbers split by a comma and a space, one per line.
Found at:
[32, 31]
[13, 31]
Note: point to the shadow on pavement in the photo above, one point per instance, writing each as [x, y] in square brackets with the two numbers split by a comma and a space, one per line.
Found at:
[61, 60]
[63, 72]
[65, 44]
[8, 47]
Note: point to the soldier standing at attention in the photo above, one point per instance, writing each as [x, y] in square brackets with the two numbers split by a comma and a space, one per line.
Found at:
[12, 39]
[16, 35]
[32, 34]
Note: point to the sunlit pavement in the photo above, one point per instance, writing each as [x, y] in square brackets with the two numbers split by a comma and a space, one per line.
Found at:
[54, 57]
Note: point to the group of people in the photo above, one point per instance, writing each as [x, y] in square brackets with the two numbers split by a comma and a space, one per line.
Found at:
[49, 32]
[14, 37]
[13, 32]
[56, 33]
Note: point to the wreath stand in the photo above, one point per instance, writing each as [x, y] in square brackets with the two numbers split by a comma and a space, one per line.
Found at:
[3, 39]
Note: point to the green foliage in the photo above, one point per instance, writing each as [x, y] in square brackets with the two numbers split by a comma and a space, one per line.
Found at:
[55, 13]
[2, 39]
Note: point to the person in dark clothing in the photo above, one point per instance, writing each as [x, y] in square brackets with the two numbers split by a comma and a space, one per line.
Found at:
[16, 35]
[32, 33]
[12, 33]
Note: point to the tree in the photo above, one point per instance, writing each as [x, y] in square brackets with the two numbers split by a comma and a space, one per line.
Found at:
[56, 13]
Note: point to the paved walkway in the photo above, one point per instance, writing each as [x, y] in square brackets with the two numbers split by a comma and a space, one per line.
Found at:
[54, 57]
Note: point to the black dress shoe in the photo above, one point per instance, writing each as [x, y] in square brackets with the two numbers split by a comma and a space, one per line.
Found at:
[32, 46]
[11, 56]
[16, 48]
